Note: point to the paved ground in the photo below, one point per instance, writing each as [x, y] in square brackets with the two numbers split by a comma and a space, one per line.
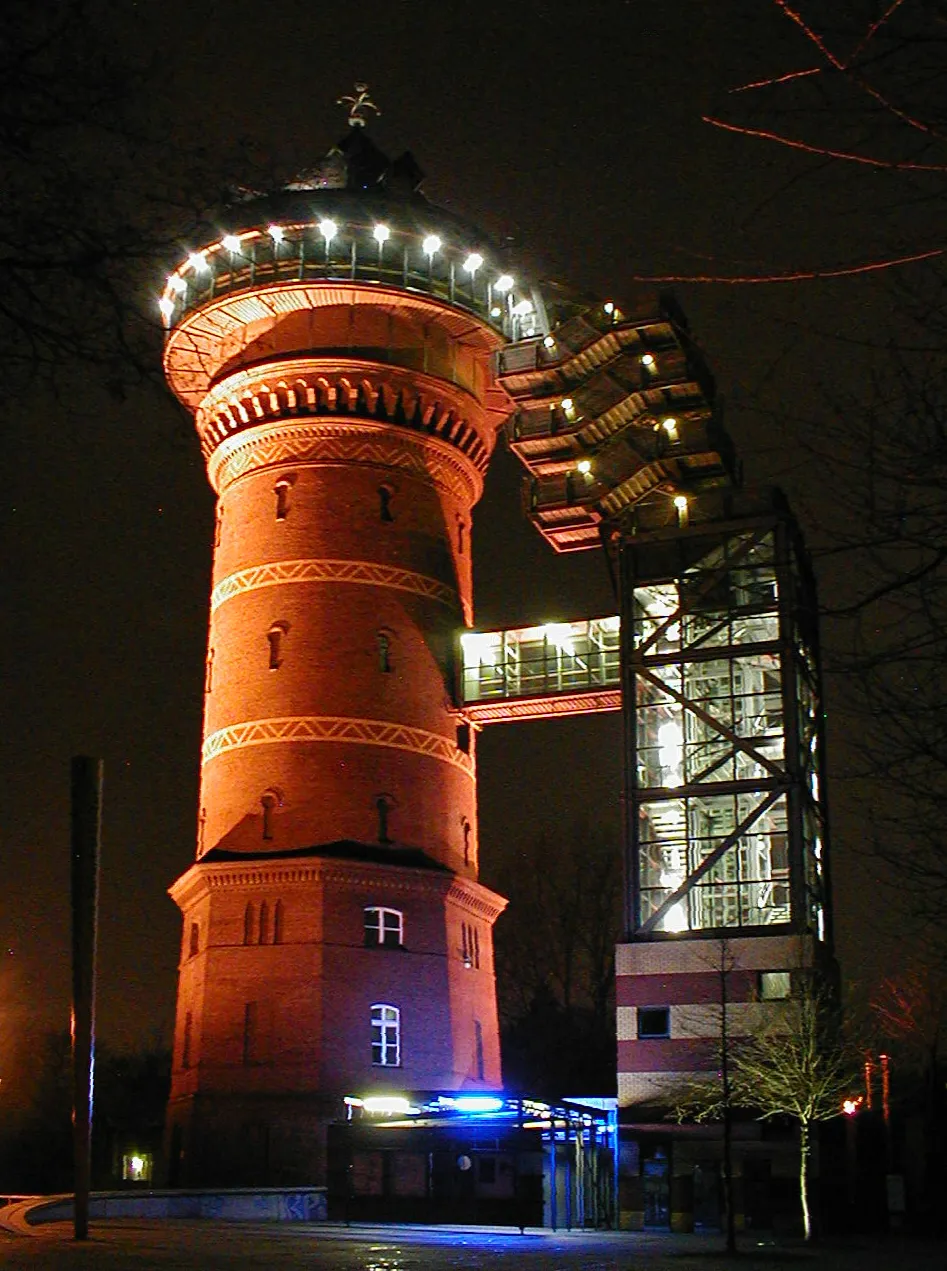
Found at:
[206, 1246]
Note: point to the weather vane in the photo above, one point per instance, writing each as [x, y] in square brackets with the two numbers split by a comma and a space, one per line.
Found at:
[361, 101]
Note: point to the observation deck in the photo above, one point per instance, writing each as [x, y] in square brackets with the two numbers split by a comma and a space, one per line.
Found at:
[542, 672]
[613, 409]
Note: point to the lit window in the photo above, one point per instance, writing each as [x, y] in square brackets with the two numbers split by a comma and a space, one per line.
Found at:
[137, 1167]
[654, 1021]
[386, 1035]
[775, 986]
[384, 927]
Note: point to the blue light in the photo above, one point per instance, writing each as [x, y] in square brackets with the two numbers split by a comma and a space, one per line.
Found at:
[478, 1103]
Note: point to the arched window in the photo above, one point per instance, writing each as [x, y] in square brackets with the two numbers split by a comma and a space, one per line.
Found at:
[264, 923]
[383, 806]
[209, 672]
[461, 530]
[385, 495]
[276, 637]
[278, 922]
[384, 927]
[194, 941]
[219, 524]
[384, 651]
[465, 828]
[248, 923]
[281, 490]
[386, 1035]
[269, 802]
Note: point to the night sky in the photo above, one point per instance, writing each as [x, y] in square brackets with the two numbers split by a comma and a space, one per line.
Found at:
[577, 132]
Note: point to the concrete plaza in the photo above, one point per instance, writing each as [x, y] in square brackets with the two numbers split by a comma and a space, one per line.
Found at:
[212, 1246]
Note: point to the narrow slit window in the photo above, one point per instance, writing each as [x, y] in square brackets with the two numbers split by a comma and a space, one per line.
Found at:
[251, 1032]
[269, 803]
[476, 947]
[278, 922]
[276, 639]
[478, 1048]
[264, 923]
[186, 1043]
[385, 495]
[383, 806]
[209, 672]
[248, 924]
[282, 491]
[194, 941]
[384, 651]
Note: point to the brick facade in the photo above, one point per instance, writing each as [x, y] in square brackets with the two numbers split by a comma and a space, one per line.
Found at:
[347, 429]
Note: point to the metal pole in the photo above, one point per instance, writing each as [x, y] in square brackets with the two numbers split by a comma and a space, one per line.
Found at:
[86, 838]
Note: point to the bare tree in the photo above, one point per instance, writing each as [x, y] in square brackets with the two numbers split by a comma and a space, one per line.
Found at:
[799, 1066]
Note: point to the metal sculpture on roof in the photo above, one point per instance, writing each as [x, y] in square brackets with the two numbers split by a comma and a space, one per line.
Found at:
[360, 101]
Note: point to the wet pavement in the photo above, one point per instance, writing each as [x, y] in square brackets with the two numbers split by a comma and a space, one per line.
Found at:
[168, 1245]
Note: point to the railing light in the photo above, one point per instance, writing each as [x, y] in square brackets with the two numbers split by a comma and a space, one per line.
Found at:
[584, 466]
[277, 233]
[473, 263]
[431, 244]
[328, 229]
[198, 261]
[504, 283]
[381, 234]
[549, 342]
[177, 283]
[231, 242]
[166, 305]
[647, 359]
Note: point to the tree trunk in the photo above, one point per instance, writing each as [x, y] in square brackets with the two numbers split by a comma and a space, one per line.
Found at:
[804, 1178]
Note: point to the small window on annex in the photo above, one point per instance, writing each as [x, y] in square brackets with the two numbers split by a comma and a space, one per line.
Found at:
[654, 1021]
[775, 986]
[386, 1035]
[384, 927]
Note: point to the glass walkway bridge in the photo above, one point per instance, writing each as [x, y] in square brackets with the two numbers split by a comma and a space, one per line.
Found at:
[562, 668]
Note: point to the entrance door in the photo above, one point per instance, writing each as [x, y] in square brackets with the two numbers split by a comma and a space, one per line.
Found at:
[656, 1186]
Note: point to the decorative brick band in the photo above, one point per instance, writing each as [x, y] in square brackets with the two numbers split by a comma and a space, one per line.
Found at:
[321, 441]
[332, 571]
[333, 728]
[409, 400]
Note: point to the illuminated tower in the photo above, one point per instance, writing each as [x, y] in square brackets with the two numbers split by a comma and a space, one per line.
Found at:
[334, 343]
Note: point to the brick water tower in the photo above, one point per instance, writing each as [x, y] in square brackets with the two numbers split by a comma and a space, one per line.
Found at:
[334, 343]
